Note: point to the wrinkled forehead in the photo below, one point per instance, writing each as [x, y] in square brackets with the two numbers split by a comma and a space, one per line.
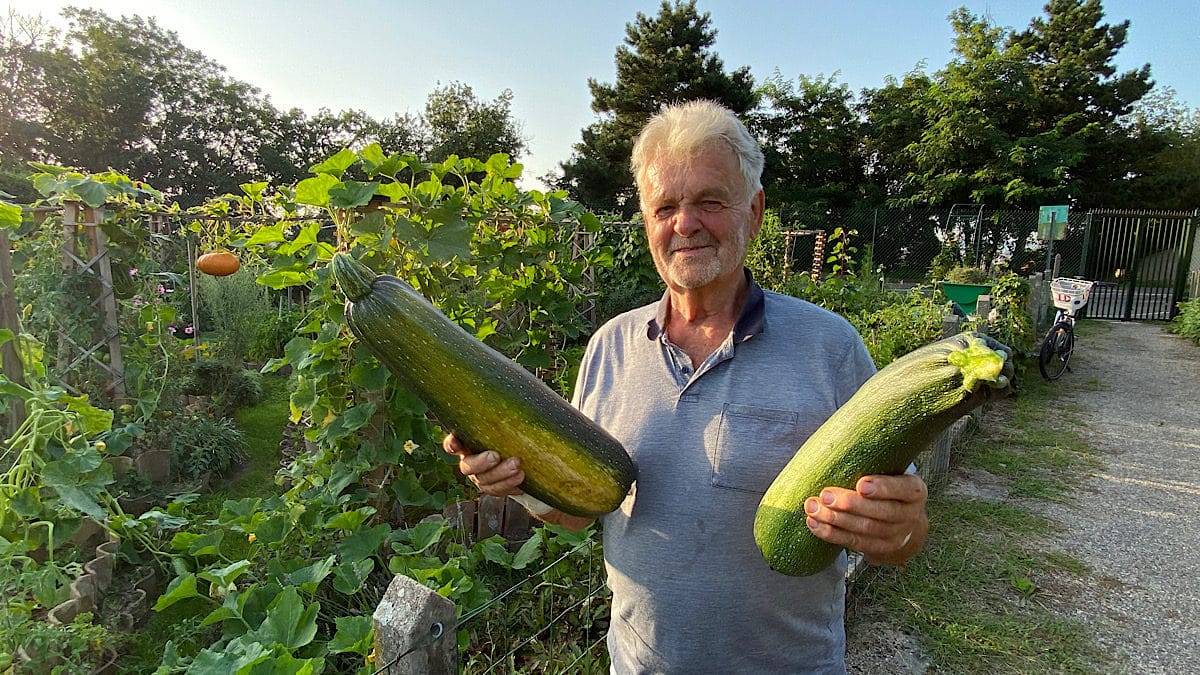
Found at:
[710, 170]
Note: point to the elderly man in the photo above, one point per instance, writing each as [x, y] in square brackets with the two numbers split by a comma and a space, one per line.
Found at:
[712, 389]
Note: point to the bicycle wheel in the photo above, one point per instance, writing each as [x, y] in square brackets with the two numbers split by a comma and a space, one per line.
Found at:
[1056, 350]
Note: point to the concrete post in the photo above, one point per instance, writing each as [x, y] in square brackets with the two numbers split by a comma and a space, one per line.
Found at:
[950, 325]
[414, 631]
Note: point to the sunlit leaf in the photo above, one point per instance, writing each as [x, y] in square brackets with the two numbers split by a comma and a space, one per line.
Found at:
[336, 165]
[351, 194]
[266, 235]
[10, 216]
[315, 191]
[281, 279]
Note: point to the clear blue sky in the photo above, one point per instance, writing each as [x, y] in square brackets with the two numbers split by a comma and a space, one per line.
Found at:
[385, 57]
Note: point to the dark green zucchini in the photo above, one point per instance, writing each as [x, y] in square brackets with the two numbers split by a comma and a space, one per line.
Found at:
[488, 400]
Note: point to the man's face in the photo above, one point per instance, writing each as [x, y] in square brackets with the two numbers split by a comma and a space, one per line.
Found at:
[699, 221]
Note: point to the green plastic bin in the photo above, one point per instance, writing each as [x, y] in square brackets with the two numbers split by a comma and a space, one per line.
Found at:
[965, 295]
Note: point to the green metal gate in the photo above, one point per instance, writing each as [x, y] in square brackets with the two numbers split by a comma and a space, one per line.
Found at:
[1143, 257]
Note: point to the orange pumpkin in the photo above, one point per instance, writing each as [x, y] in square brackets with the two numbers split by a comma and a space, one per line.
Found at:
[218, 263]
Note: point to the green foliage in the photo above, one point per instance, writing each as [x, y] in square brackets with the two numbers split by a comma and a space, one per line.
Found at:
[631, 281]
[273, 332]
[206, 446]
[1010, 320]
[463, 126]
[231, 387]
[766, 254]
[78, 648]
[812, 142]
[1187, 322]
[899, 324]
[967, 275]
[234, 306]
[52, 464]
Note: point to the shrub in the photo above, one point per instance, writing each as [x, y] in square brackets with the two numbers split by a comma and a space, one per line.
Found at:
[1010, 320]
[203, 445]
[273, 333]
[231, 387]
[892, 330]
[1187, 322]
[234, 306]
[967, 275]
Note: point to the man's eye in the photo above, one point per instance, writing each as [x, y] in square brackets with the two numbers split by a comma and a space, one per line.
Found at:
[664, 212]
[712, 205]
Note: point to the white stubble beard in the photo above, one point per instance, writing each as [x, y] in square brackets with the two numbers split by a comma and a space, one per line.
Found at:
[698, 274]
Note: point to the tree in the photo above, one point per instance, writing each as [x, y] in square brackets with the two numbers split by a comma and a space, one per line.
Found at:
[665, 59]
[1164, 168]
[26, 49]
[1024, 119]
[460, 124]
[1080, 95]
[891, 122]
[129, 95]
[811, 136]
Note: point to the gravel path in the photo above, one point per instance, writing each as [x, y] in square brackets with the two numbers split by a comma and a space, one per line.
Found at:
[1136, 523]
[1135, 390]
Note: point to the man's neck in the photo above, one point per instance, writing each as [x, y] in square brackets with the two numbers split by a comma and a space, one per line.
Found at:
[699, 320]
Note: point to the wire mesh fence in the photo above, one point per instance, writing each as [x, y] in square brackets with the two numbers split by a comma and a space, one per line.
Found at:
[905, 244]
[554, 620]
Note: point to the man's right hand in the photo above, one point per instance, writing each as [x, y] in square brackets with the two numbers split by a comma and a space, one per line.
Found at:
[502, 479]
[485, 469]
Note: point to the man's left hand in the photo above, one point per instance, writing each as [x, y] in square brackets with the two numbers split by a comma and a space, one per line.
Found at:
[883, 517]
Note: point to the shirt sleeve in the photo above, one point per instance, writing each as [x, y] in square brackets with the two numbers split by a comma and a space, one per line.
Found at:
[855, 369]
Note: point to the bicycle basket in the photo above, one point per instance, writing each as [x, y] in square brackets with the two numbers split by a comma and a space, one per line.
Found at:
[1070, 294]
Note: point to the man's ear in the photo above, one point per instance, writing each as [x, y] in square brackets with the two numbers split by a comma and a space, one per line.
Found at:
[758, 206]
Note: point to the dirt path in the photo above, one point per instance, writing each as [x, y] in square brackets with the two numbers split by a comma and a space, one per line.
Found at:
[1136, 524]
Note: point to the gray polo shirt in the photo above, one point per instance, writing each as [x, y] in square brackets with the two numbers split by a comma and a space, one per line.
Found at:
[691, 592]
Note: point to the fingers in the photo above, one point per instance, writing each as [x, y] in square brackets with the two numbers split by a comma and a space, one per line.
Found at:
[883, 518]
[487, 470]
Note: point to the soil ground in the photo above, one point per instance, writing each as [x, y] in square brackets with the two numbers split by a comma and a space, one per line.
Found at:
[1134, 523]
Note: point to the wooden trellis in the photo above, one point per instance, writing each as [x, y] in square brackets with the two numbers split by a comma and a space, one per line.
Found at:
[818, 256]
[85, 251]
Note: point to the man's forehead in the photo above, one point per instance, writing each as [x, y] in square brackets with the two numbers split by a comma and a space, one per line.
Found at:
[680, 177]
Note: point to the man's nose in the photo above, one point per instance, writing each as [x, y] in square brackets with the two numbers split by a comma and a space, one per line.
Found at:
[687, 220]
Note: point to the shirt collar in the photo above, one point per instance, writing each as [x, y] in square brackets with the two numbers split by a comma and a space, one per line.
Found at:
[750, 321]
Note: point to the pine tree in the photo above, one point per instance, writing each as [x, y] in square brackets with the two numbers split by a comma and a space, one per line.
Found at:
[665, 59]
[1079, 93]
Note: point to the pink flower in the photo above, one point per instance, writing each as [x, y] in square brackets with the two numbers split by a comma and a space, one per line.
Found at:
[171, 329]
[188, 330]
[133, 271]
[161, 289]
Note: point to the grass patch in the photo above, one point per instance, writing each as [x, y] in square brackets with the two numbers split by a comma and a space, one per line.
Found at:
[1035, 446]
[263, 426]
[972, 598]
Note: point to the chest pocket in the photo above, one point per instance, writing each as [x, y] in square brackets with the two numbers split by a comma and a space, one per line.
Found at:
[753, 445]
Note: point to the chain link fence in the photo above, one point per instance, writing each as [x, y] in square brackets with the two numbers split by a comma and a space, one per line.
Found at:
[905, 245]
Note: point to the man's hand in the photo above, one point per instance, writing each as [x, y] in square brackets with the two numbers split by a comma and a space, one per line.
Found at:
[503, 479]
[485, 470]
[883, 517]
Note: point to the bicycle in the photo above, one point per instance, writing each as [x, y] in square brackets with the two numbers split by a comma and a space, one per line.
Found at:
[1069, 295]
